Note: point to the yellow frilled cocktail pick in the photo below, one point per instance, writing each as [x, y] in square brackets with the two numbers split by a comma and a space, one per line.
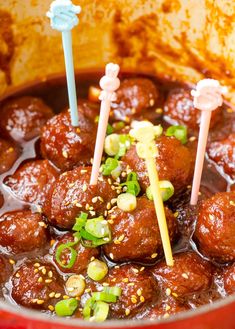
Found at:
[146, 148]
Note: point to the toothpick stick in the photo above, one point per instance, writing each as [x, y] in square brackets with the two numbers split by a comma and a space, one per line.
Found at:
[109, 83]
[207, 98]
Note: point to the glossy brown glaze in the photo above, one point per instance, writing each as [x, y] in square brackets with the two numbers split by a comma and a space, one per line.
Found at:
[9, 153]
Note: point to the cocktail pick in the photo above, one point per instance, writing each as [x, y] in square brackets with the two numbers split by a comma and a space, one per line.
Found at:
[147, 149]
[109, 83]
[207, 98]
[63, 18]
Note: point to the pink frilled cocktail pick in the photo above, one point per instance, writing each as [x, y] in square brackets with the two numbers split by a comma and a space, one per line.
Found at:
[207, 98]
[109, 83]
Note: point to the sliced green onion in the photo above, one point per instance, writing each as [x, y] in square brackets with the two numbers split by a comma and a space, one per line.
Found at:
[126, 202]
[179, 132]
[132, 184]
[97, 270]
[103, 296]
[158, 130]
[73, 254]
[116, 172]
[80, 222]
[88, 308]
[98, 227]
[118, 125]
[66, 307]
[111, 144]
[167, 190]
[101, 311]
[75, 285]
[116, 291]
[109, 166]
[124, 144]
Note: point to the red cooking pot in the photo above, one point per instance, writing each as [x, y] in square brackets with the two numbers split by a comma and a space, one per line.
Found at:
[219, 315]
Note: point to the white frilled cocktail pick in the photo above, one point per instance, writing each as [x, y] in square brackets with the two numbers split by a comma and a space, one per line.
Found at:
[146, 148]
[63, 16]
[207, 98]
[109, 83]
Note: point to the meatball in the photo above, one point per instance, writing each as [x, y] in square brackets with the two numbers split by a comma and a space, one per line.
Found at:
[71, 194]
[179, 109]
[22, 118]
[174, 163]
[134, 96]
[22, 231]
[135, 235]
[223, 154]
[167, 308]
[37, 285]
[229, 279]
[84, 255]
[190, 274]
[32, 181]
[215, 228]
[6, 269]
[8, 155]
[139, 290]
[67, 146]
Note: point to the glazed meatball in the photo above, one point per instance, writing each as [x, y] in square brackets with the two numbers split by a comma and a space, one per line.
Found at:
[229, 279]
[190, 274]
[22, 118]
[179, 109]
[8, 155]
[84, 255]
[67, 146]
[71, 194]
[174, 163]
[22, 231]
[32, 181]
[6, 269]
[139, 289]
[135, 235]
[215, 228]
[223, 154]
[37, 285]
[167, 308]
[134, 96]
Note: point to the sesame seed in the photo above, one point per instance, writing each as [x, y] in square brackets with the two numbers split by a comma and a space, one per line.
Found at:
[100, 179]
[84, 188]
[111, 255]
[105, 213]
[142, 269]
[108, 206]
[48, 280]
[88, 290]
[40, 301]
[127, 311]
[117, 267]
[142, 299]
[232, 203]
[12, 262]
[66, 297]
[10, 150]
[40, 280]
[151, 102]
[34, 300]
[110, 221]
[176, 214]
[67, 203]
[185, 275]
[116, 241]
[189, 186]
[154, 255]
[175, 294]
[78, 130]
[52, 294]
[87, 206]
[92, 213]
[42, 224]
[134, 300]
[114, 279]
[167, 307]
[83, 171]
[192, 138]
[229, 110]
[17, 275]
[105, 284]
[50, 274]
[52, 242]
[168, 291]
[58, 295]
[71, 185]
[139, 292]
[166, 315]
[35, 270]
[65, 154]
[121, 238]
[135, 270]
[92, 258]
[100, 199]
[125, 280]
[159, 110]
[131, 284]
[51, 308]
[78, 205]
[94, 200]
[44, 271]
[211, 217]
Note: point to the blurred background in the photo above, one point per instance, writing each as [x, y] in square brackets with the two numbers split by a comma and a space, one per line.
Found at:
[184, 39]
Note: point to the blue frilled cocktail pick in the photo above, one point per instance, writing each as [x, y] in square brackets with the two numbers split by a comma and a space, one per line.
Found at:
[63, 15]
